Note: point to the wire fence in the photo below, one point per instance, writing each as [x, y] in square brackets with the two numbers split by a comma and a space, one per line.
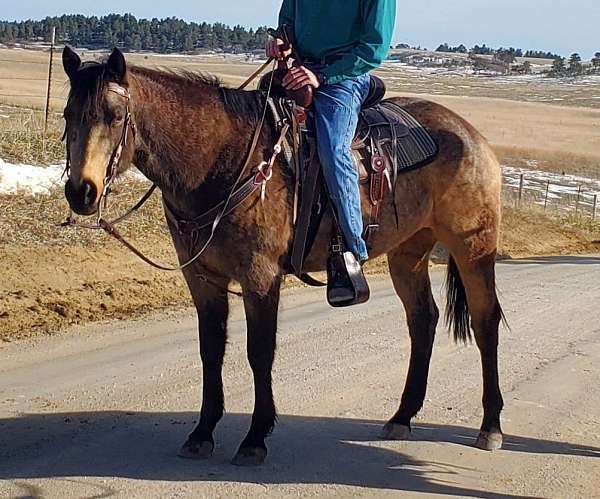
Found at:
[554, 193]
[32, 79]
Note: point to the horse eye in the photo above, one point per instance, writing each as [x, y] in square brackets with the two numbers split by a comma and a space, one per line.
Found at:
[117, 120]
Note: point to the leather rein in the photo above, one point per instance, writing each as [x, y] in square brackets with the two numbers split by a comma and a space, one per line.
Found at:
[211, 218]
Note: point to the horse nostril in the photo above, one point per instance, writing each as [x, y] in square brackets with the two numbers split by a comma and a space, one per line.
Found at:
[89, 194]
[81, 198]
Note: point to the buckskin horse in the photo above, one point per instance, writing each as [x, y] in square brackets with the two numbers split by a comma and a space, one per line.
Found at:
[190, 136]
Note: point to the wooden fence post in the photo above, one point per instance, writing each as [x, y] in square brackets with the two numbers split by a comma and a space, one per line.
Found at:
[547, 192]
[578, 199]
[521, 184]
[52, 40]
[595, 206]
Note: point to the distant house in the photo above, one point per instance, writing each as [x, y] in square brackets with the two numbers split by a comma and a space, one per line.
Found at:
[521, 69]
[488, 65]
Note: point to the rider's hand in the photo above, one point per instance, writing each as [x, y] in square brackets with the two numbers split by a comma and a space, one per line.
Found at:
[298, 77]
[273, 49]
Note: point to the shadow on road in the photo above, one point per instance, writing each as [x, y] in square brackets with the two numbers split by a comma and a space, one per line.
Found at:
[304, 450]
[553, 260]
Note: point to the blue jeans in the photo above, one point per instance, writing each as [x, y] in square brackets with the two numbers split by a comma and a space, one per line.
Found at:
[337, 108]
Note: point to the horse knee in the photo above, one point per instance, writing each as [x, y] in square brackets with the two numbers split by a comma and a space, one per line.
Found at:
[423, 321]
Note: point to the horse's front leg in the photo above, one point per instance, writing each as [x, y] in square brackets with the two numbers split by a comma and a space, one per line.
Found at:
[261, 319]
[212, 305]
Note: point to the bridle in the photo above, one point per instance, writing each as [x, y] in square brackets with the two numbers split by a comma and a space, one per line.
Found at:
[258, 180]
[112, 168]
[113, 164]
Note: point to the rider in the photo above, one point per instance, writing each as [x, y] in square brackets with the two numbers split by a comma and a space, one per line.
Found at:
[339, 42]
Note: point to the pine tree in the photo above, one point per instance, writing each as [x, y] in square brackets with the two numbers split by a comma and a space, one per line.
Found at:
[558, 67]
[575, 66]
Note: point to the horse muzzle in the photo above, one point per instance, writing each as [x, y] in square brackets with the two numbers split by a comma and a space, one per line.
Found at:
[82, 198]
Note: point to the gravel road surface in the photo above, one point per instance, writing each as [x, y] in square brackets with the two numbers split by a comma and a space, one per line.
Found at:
[101, 411]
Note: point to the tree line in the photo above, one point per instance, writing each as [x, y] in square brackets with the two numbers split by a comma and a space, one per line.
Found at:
[129, 33]
[574, 66]
[485, 50]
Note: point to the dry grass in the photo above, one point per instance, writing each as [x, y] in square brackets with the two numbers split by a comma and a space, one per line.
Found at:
[541, 129]
[31, 68]
[23, 79]
[22, 137]
[34, 221]
[565, 162]
[531, 232]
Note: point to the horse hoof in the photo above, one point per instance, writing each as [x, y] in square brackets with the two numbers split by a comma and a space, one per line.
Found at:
[393, 431]
[489, 441]
[196, 450]
[250, 456]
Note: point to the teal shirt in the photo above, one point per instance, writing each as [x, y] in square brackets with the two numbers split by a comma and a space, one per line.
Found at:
[359, 31]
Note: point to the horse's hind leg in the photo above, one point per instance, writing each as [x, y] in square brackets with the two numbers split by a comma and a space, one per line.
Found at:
[261, 320]
[475, 294]
[409, 269]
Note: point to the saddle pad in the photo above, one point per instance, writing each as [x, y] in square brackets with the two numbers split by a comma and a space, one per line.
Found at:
[398, 136]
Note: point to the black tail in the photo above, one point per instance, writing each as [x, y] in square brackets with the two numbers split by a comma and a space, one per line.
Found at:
[457, 308]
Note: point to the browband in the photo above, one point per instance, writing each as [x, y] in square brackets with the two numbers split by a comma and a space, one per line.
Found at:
[118, 89]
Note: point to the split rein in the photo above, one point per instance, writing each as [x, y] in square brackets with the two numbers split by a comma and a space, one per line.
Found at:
[259, 180]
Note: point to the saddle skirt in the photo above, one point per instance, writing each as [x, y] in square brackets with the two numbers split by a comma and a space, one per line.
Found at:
[390, 131]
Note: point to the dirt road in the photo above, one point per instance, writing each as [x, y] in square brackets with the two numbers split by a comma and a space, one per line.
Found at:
[101, 412]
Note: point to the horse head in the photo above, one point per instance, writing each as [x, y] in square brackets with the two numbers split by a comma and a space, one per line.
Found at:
[99, 138]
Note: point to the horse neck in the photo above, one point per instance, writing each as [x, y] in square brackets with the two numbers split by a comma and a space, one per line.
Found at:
[184, 139]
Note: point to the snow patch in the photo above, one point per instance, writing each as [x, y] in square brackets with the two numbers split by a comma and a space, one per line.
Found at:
[29, 179]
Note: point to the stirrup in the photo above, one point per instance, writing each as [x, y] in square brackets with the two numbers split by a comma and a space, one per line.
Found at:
[346, 283]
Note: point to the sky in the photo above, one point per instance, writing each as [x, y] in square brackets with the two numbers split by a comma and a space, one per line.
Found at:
[562, 26]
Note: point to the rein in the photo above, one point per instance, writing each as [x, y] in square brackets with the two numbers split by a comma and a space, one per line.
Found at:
[211, 218]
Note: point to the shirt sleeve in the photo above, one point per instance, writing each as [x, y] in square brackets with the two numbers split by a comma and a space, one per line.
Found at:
[378, 18]
[287, 14]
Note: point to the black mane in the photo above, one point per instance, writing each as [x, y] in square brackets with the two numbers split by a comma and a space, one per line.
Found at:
[91, 78]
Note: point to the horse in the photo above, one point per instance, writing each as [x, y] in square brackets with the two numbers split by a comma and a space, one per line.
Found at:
[190, 134]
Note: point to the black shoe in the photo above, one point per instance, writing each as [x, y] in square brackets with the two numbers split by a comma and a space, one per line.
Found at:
[346, 283]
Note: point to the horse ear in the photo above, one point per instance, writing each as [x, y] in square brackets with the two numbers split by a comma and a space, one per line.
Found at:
[116, 65]
[71, 61]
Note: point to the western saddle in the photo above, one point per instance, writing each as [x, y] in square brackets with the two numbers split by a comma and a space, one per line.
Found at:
[388, 142]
